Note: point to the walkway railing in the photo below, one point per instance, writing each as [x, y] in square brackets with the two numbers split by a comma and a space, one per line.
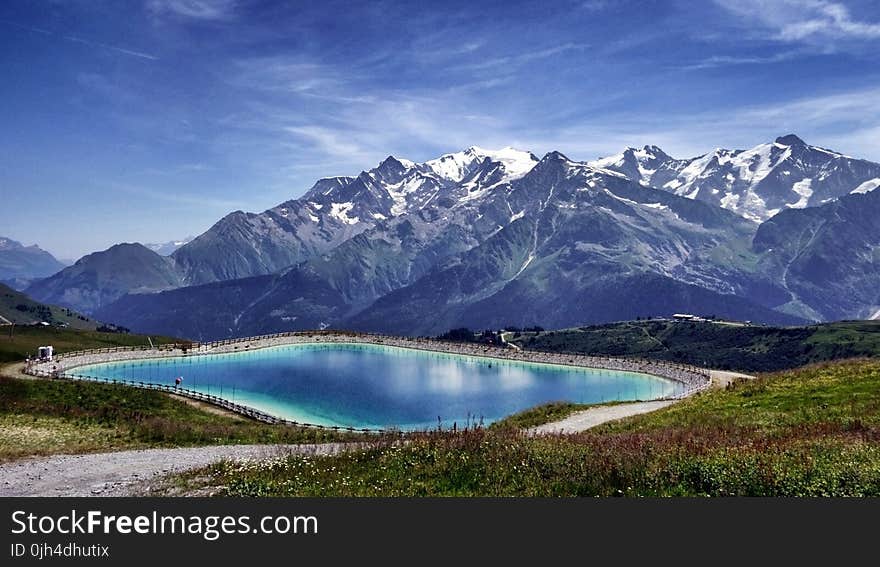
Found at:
[202, 397]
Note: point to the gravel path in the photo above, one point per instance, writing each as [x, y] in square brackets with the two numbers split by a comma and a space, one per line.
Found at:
[721, 378]
[116, 474]
[583, 420]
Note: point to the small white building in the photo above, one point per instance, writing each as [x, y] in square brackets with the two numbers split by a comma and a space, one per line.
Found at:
[687, 317]
[45, 353]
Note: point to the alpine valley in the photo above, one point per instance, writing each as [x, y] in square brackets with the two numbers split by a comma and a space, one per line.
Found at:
[782, 233]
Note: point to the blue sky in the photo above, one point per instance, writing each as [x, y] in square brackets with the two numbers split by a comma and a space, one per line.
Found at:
[148, 121]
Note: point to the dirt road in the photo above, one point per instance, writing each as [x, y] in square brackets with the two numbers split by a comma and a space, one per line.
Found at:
[115, 474]
[583, 420]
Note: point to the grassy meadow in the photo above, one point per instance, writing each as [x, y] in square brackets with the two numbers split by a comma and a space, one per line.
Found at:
[814, 431]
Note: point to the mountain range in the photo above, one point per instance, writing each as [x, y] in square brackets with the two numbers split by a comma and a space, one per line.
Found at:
[755, 183]
[780, 233]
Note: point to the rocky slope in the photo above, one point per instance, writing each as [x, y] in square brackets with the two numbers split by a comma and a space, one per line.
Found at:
[827, 258]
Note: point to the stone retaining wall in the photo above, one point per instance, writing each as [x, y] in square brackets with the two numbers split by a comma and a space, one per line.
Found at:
[693, 378]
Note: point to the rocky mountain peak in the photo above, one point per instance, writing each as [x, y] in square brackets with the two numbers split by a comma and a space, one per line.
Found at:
[754, 183]
[790, 140]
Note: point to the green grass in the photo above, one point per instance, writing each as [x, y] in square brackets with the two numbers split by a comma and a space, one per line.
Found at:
[40, 417]
[26, 340]
[727, 347]
[842, 396]
[808, 432]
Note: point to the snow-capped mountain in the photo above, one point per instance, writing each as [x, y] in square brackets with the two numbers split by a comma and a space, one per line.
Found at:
[756, 183]
[336, 209]
[167, 248]
[562, 243]
[399, 186]
[488, 238]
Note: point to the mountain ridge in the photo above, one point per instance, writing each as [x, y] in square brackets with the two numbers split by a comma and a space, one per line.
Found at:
[756, 183]
[20, 264]
[474, 235]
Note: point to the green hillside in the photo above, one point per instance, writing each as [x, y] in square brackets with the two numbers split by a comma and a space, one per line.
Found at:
[726, 346]
[25, 340]
[18, 308]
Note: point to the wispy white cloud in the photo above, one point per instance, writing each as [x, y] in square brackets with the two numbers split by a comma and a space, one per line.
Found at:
[184, 168]
[846, 121]
[195, 9]
[516, 60]
[337, 143]
[87, 42]
[727, 60]
[346, 138]
[28, 28]
[803, 20]
[115, 48]
[595, 5]
[292, 75]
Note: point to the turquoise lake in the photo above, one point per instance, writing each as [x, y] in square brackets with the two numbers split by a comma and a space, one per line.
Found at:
[378, 386]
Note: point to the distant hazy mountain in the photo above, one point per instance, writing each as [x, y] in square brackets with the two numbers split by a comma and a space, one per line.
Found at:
[103, 277]
[19, 264]
[167, 248]
[755, 183]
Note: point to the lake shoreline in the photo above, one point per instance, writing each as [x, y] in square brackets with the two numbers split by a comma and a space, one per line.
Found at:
[690, 379]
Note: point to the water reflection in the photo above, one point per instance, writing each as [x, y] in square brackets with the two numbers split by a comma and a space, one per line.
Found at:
[376, 386]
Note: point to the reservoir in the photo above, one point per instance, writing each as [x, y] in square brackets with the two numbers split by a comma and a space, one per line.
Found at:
[377, 386]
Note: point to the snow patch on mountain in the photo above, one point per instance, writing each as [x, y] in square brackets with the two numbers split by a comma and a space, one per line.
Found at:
[340, 212]
[400, 191]
[867, 186]
[405, 162]
[729, 200]
[457, 166]
[658, 206]
[803, 189]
